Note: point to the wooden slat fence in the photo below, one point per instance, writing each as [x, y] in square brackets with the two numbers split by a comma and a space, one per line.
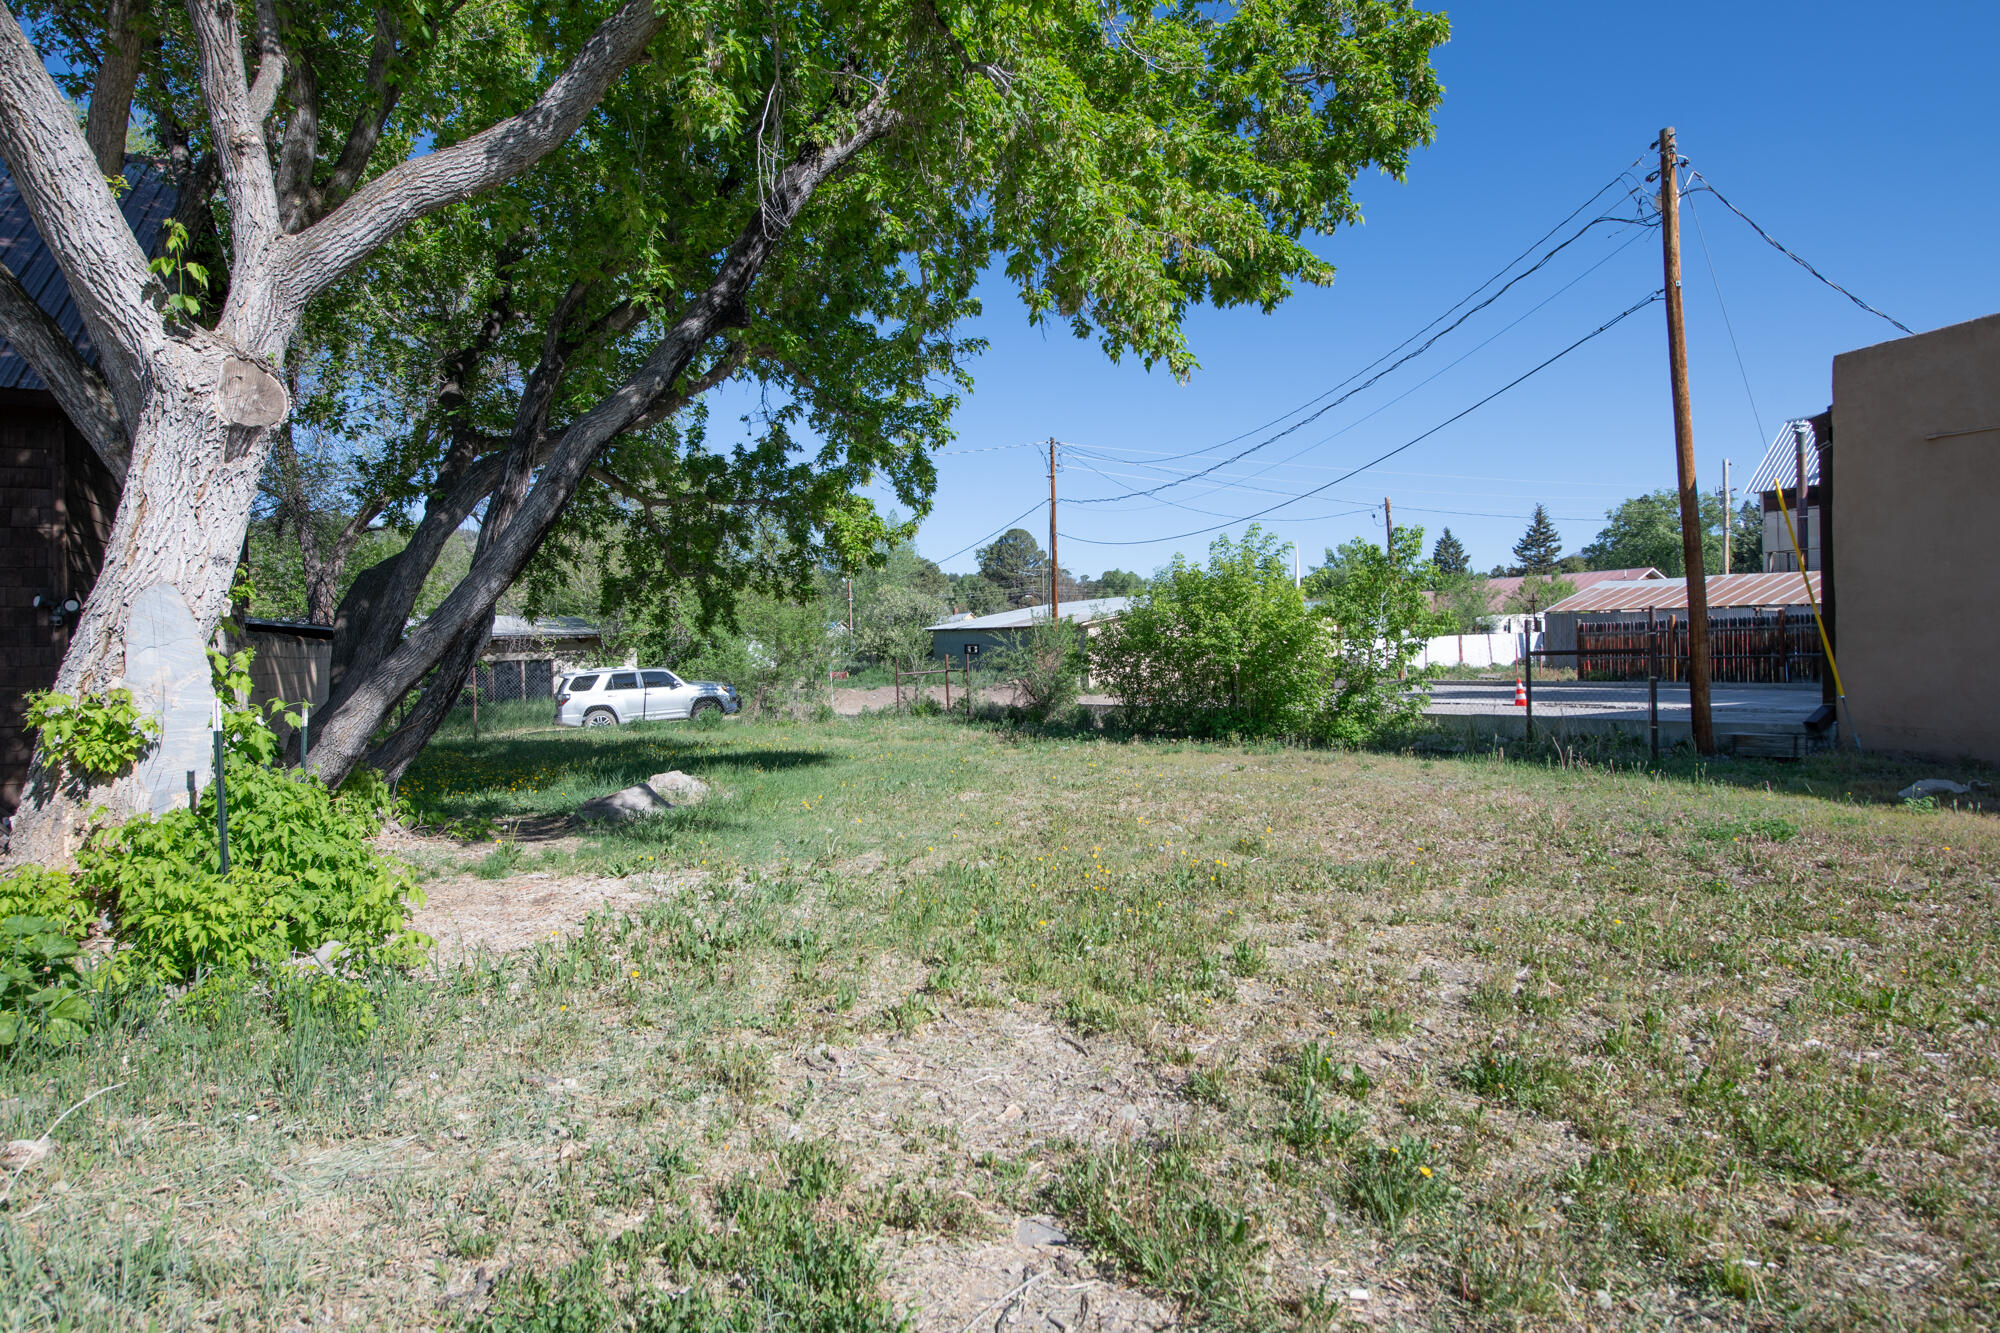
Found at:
[1763, 649]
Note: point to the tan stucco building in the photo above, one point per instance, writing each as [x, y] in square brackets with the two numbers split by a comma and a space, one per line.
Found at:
[1915, 536]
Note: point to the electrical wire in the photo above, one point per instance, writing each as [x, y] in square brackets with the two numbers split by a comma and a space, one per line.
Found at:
[996, 532]
[993, 448]
[1626, 174]
[1374, 379]
[1289, 460]
[1773, 242]
[1727, 323]
[1413, 441]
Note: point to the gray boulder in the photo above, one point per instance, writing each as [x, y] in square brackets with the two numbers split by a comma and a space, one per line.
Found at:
[620, 807]
[678, 787]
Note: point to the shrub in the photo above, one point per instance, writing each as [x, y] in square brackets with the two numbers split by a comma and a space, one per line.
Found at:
[301, 872]
[48, 894]
[43, 994]
[1045, 666]
[97, 736]
[1380, 619]
[1227, 649]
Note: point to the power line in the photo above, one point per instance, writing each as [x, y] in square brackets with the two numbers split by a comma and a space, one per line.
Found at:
[1606, 326]
[1290, 460]
[996, 532]
[1503, 270]
[1709, 185]
[1372, 380]
[991, 449]
[1716, 279]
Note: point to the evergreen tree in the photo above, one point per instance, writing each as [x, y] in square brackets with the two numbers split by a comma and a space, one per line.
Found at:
[1018, 566]
[1540, 548]
[1450, 556]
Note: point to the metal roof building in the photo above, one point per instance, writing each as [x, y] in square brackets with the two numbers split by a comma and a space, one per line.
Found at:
[1725, 591]
[1086, 611]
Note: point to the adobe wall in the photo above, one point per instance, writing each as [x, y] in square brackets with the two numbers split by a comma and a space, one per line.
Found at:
[1916, 540]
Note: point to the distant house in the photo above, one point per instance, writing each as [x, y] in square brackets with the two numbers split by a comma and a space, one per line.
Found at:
[58, 496]
[959, 638]
[523, 657]
[1780, 468]
[1499, 591]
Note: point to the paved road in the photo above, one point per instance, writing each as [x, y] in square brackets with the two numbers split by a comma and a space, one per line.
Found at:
[1736, 708]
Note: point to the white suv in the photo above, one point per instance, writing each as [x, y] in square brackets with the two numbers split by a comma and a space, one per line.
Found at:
[613, 695]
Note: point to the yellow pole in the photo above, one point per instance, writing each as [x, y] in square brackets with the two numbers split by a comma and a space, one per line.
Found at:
[1791, 530]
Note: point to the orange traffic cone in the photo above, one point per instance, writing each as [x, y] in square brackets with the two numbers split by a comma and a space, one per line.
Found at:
[1520, 693]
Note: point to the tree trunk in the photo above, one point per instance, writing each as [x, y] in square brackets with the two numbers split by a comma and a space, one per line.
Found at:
[180, 524]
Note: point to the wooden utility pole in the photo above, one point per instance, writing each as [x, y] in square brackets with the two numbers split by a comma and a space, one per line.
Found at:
[1701, 722]
[1388, 530]
[1055, 568]
[1728, 519]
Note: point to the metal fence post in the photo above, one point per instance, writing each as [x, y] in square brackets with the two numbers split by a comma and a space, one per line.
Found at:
[1528, 680]
[1653, 679]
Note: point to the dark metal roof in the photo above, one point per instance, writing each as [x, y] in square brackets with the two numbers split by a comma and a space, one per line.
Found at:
[147, 203]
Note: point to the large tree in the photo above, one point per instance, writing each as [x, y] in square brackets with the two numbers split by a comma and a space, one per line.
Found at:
[1540, 549]
[1646, 530]
[1015, 563]
[1449, 557]
[1126, 160]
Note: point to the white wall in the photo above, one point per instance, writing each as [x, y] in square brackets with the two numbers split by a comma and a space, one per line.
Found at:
[1473, 650]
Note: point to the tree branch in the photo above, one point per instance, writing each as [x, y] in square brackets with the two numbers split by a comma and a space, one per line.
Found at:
[239, 134]
[270, 62]
[78, 219]
[84, 396]
[111, 92]
[322, 253]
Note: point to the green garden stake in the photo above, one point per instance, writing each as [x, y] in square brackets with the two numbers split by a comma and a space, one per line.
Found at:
[305, 727]
[221, 798]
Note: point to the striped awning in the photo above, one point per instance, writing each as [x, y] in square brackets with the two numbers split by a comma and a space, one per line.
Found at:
[1781, 462]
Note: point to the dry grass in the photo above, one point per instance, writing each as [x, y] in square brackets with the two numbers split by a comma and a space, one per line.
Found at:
[1283, 1039]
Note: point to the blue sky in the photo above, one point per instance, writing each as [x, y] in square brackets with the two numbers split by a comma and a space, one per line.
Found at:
[1860, 136]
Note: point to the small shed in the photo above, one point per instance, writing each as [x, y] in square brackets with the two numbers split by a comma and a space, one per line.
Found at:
[1775, 483]
[962, 639]
[523, 657]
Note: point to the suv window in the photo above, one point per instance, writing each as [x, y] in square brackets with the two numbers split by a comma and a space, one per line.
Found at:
[623, 680]
[581, 684]
[658, 680]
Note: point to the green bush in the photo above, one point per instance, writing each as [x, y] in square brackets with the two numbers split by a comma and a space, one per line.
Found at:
[1045, 666]
[301, 873]
[49, 895]
[1226, 649]
[43, 994]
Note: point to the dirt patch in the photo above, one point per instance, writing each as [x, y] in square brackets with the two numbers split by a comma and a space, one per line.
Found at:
[467, 915]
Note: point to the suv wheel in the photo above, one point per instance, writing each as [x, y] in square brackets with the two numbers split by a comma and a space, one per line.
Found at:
[600, 717]
[703, 706]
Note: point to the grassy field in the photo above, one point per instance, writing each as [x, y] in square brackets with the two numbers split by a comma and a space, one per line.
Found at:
[1282, 1039]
